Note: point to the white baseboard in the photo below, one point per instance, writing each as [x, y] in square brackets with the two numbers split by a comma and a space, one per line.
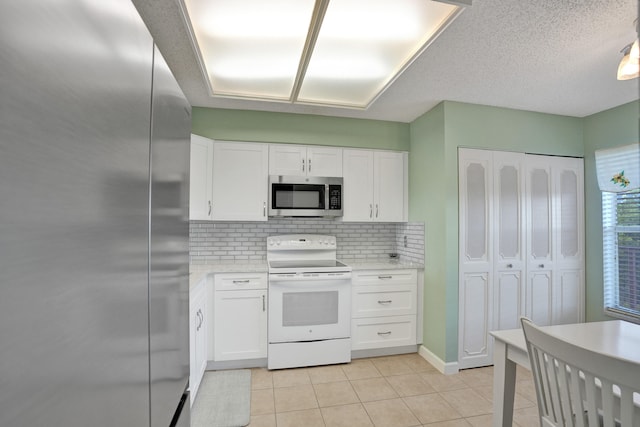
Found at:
[442, 366]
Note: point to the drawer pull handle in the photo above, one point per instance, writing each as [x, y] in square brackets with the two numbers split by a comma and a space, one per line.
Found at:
[384, 333]
[385, 302]
[385, 277]
[241, 281]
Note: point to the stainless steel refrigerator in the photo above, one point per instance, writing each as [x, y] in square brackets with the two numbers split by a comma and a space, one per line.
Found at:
[94, 158]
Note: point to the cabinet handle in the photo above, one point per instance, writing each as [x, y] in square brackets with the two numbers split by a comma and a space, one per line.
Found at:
[209, 208]
[264, 308]
[302, 165]
[385, 277]
[309, 163]
[509, 265]
[370, 210]
[376, 210]
[241, 281]
[541, 265]
[384, 333]
[264, 208]
[385, 302]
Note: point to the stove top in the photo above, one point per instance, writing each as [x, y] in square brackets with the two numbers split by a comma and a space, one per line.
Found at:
[303, 253]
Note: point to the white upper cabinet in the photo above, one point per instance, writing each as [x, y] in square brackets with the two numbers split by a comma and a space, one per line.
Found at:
[297, 160]
[375, 186]
[240, 181]
[201, 175]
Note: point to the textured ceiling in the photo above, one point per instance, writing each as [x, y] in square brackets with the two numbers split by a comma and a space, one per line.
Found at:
[551, 56]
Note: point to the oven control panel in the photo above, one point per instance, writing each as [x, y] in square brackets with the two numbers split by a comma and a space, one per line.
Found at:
[301, 242]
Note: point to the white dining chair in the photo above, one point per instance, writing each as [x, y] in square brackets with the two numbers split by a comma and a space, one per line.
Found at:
[578, 387]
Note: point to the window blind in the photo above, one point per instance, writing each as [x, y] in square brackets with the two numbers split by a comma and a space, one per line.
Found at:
[618, 169]
[621, 253]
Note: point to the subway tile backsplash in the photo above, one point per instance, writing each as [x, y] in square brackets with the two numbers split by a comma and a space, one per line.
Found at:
[246, 241]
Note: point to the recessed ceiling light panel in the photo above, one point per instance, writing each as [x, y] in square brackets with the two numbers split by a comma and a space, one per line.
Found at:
[329, 52]
[250, 48]
[364, 44]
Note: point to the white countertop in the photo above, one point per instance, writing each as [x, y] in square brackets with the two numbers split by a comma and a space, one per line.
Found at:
[198, 271]
[380, 264]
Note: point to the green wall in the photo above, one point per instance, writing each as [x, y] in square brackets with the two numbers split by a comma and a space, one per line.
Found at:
[607, 129]
[433, 140]
[475, 126]
[426, 172]
[245, 125]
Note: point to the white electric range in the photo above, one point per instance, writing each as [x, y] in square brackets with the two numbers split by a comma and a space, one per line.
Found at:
[309, 302]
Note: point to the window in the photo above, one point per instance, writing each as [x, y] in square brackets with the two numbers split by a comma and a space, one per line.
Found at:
[621, 254]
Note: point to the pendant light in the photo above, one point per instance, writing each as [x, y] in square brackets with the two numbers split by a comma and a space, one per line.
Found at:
[629, 67]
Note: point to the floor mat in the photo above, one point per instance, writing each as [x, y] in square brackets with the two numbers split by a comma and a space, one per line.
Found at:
[223, 400]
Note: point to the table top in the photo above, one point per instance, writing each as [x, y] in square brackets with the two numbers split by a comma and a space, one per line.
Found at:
[615, 338]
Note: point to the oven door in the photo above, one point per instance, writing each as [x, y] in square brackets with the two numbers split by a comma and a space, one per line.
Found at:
[309, 306]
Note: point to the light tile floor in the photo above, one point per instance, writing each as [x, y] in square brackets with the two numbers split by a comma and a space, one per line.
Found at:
[391, 391]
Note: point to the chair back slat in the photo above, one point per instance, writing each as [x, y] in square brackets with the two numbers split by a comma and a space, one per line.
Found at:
[578, 387]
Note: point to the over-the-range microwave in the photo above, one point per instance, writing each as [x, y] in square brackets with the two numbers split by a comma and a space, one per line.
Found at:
[312, 196]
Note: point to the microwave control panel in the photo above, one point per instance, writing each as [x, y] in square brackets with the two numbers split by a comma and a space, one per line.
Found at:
[335, 197]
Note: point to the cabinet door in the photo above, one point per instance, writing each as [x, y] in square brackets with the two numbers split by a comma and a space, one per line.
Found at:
[240, 181]
[324, 161]
[358, 185]
[539, 239]
[240, 325]
[285, 159]
[476, 257]
[508, 237]
[389, 183]
[201, 176]
[197, 337]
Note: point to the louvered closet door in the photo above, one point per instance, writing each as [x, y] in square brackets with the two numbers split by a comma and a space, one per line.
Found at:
[568, 289]
[539, 287]
[508, 237]
[475, 268]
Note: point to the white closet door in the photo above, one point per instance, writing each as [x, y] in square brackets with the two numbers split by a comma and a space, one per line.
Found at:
[475, 267]
[568, 177]
[539, 216]
[508, 236]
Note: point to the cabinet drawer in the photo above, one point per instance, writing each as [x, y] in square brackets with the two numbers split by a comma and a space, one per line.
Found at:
[383, 300]
[380, 332]
[240, 281]
[384, 277]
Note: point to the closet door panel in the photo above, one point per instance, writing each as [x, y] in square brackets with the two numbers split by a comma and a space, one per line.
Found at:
[508, 239]
[568, 299]
[539, 294]
[476, 264]
[539, 257]
[507, 300]
[474, 303]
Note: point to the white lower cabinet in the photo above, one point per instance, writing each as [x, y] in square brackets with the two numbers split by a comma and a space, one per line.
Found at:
[240, 316]
[384, 309]
[197, 335]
